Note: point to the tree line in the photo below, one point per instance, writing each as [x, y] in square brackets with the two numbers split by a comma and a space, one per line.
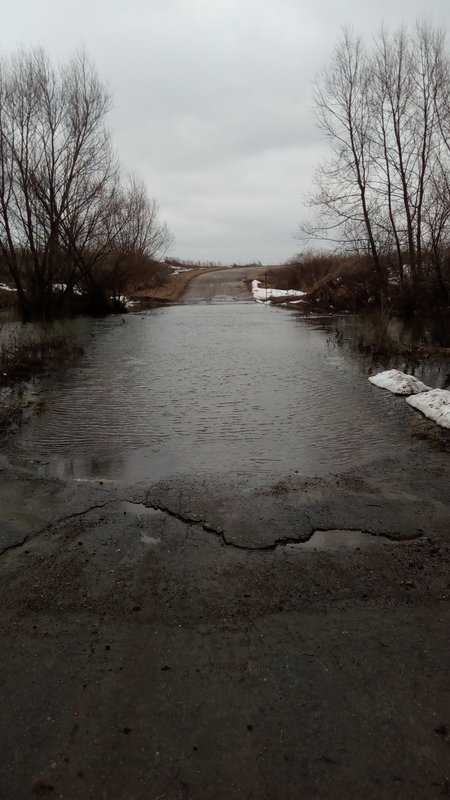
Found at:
[70, 224]
[384, 190]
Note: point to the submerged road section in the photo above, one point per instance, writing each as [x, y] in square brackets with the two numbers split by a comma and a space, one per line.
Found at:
[253, 606]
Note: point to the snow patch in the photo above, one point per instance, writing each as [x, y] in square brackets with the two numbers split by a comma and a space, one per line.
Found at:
[62, 287]
[262, 294]
[5, 288]
[398, 382]
[434, 404]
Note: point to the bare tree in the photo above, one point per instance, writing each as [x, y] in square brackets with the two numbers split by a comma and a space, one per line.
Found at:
[138, 236]
[63, 212]
[385, 111]
[111, 232]
[344, 113]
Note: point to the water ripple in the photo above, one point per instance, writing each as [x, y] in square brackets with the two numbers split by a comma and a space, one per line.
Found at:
[207, 389]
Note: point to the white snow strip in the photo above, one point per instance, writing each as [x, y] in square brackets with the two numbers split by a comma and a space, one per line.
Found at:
[434, 404]
[181, 270]
[61, 287]
[261, 294]
[6, 288]
[398, 382]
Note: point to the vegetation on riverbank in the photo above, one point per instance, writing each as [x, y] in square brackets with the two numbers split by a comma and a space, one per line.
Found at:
[24, 356]
[73, 231]
[333, 283]
[337, 285]
[382, 194]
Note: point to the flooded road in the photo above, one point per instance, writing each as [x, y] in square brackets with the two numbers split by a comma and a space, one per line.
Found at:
[208, 387]
[190, 612]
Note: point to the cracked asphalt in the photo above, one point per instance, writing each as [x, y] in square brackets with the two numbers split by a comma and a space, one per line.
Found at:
[167, 642]
[177, 639]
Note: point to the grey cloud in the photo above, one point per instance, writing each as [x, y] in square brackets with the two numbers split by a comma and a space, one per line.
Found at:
[212, 101]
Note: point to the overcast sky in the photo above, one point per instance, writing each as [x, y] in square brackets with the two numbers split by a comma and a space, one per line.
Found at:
[212, 102]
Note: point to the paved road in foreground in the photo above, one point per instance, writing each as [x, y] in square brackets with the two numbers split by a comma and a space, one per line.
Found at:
[178, 641]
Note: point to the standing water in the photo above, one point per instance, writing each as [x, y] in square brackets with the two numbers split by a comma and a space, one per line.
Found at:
[217, 388]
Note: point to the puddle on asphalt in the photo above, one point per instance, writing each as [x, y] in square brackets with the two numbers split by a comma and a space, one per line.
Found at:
[337, 539]
[141, 512]
[138, 509]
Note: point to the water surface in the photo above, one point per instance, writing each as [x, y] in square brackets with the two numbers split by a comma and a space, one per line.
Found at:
[204, 389]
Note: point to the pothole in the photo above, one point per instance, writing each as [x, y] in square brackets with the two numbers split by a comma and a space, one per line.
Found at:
[141, 512]
[337, 539]
[138, 510]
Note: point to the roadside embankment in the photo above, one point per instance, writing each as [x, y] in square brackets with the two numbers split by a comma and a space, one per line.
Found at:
[171, 291]
[348, 288]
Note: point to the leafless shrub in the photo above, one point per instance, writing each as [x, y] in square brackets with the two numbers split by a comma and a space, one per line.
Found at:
[384, 191]
[66, 217]
[24, 356]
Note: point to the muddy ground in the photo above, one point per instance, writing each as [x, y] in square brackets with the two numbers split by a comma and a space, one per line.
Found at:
[179, 640]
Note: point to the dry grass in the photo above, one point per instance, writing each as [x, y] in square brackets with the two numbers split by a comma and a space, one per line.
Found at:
[24, 359]
[331, 283]
[21, 360]
[304, 271]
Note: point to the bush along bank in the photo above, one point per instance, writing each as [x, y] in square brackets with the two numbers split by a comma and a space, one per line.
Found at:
[25, 357]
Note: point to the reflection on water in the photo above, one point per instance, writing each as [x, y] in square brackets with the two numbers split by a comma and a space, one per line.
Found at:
[139, 510]
[378, 343]
[338, 539]
[220, 388]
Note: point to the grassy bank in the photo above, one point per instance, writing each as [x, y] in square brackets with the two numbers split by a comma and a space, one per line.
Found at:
[22, 360]
[336, 283]
[341, 285]
[332, 284]
[23, 357]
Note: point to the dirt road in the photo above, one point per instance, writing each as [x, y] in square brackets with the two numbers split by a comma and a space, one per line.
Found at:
[226, 284]
[178, 639]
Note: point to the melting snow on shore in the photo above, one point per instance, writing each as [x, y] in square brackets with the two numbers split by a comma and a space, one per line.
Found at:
[434, 404]
[398, 382]
[261, 294]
